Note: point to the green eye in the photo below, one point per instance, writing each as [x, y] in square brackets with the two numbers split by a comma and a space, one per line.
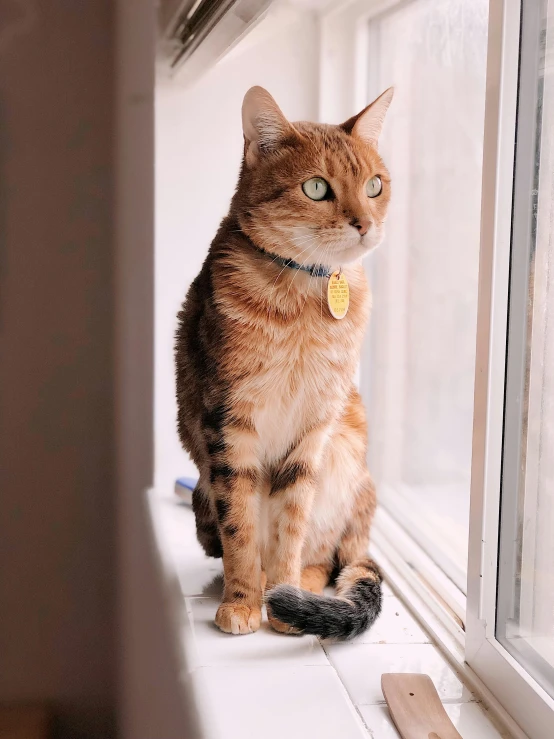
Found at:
[316, 188]
[374, 187]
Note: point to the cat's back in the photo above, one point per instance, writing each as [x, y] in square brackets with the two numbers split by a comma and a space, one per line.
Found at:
[195, 363]
[205, 333]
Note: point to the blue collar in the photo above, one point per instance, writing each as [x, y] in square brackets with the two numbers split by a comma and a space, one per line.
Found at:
[316, 270]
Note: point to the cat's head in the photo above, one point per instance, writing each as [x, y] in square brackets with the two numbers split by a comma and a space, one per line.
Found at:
[313, 192]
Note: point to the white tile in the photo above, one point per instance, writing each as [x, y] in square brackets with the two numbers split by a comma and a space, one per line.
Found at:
[286, 684]
[470, 720]
[386, 590]
[360, 667]
[197, 574]
[296, 703]
[263, 648]
[395, 625]
[378, 722]
[200, 575]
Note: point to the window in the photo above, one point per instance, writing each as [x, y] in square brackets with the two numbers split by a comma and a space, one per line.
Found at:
[510, 617]
[420, 365]
[457, 371]
[525, 607]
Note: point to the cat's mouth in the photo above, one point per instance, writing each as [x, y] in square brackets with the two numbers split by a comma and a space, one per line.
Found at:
[343, 251]
[332, 248]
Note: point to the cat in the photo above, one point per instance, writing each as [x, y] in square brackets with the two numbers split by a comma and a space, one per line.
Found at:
[267, 406]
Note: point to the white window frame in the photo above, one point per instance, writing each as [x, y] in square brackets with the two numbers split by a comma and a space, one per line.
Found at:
[528, 703]
[465, 629]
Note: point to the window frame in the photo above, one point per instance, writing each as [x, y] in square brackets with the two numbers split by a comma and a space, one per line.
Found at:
[520, 486]
[529, 703]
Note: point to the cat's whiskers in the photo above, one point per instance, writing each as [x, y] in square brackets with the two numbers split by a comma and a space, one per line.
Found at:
[323, 261]
[246, 236]
[321, 301]
[303, 264]
[285, 267]
[321, 286]
[305, 239]
[307, 296]
[326, 252]
[307, 291]
[280, 273]
[296, 271]
[301, 241]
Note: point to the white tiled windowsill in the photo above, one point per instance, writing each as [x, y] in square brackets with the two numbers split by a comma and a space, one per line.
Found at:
[298, 687]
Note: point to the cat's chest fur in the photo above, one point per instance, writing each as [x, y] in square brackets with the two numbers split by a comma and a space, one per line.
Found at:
[291, 362]
[298, 383]
[296, 395]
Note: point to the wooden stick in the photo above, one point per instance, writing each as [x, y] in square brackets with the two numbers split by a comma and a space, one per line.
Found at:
[416, 708]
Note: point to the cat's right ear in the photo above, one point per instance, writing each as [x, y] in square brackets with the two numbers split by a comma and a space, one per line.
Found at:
[368, 124]
[263, 124]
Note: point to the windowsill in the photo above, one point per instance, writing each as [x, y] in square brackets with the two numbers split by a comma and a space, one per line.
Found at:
[293, 686]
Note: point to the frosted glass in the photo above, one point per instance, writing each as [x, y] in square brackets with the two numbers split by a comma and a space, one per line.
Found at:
[424, 278]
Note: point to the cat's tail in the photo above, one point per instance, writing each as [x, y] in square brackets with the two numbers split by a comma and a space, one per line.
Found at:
[353, 610]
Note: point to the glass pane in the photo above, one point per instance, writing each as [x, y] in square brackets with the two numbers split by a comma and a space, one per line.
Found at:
[525, 622]
[419, 383]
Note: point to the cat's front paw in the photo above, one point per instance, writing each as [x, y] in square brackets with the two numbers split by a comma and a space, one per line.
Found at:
[235, 618]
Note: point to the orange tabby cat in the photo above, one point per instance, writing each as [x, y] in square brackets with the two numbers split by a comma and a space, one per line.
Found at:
[267, 404]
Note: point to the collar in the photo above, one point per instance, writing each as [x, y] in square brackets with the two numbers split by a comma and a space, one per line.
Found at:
[316, 270]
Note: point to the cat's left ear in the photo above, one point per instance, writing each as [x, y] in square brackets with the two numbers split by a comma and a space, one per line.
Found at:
[263, 124]
[368, 124]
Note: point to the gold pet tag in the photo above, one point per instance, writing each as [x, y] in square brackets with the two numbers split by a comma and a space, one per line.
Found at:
[338, 295]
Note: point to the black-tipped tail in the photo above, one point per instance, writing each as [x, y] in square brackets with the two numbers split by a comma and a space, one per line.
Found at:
[351, 612]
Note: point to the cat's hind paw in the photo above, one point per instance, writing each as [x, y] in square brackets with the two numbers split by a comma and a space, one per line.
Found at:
[235, 618]
[281, 627]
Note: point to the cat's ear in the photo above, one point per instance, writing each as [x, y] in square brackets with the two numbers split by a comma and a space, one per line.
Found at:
[263, 124]
[368, 124]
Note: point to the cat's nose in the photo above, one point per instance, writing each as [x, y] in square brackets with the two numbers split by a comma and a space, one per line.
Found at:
[362, 224]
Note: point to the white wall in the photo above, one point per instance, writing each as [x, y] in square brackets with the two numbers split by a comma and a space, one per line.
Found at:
[198, 152]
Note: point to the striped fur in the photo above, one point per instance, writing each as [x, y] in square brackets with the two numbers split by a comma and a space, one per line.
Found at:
[266, 403]
[357, 605]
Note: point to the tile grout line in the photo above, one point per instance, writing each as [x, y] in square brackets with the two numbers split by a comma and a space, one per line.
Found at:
[350, 698]
[362, 719]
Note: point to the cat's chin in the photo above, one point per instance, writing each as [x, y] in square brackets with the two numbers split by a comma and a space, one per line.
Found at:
[351, 254]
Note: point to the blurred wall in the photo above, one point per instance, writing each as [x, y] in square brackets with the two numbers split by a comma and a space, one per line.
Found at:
[57, 528]
[198, 152]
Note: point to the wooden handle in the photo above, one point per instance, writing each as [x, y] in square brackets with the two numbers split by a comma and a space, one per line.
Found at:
[416, 708]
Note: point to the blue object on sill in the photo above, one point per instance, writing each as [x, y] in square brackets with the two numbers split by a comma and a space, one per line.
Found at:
[184, 487]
